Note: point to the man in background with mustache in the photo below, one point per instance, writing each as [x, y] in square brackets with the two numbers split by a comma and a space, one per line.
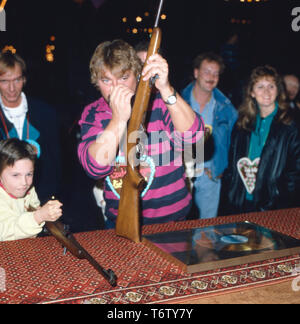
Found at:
[219, 116]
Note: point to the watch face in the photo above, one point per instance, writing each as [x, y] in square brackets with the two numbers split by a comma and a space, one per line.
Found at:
[172, 100]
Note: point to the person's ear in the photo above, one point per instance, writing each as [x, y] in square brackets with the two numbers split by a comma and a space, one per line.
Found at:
[196, 73]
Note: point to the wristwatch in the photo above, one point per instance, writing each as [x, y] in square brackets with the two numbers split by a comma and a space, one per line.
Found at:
[171, 99]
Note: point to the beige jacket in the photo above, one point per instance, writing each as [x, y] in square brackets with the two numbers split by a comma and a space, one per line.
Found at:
[15, 221]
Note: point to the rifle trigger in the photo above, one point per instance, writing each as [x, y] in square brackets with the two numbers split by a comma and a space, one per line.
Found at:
[152, 80]
[139, 150]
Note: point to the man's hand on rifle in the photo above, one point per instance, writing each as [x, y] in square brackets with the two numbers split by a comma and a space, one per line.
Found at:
[157, 67]
[181, 113]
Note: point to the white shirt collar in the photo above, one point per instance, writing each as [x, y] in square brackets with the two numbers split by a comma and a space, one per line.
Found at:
[16, 115]
[21, 109]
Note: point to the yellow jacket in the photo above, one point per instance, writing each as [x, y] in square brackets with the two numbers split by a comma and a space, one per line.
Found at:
[16, 222]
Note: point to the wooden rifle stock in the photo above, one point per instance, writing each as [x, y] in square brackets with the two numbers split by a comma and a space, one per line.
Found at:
[128, 220]
[66, 238]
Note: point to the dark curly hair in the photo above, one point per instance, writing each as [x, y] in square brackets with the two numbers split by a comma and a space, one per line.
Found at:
[248, 109]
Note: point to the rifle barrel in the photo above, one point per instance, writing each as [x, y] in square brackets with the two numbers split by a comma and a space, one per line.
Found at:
[66, 238]
[109, 275]
[158, 13]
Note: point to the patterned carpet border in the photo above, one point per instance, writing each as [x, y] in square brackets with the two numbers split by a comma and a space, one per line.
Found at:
[197, 286]
[37, 272]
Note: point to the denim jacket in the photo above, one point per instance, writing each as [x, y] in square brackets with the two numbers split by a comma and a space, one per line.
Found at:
[225, 116]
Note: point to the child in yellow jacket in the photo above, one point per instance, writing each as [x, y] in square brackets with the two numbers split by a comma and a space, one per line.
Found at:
[21, 215]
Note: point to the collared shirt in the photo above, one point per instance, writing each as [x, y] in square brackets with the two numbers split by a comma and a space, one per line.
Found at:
[208, 117]
[16, 115]
[225, 116]
[258, 139]
[168, 198]
[260, 134]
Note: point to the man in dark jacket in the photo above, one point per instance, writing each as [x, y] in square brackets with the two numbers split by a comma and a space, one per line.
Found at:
[31, 120]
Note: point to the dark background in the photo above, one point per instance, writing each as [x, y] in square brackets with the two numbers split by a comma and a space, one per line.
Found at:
[192, 26]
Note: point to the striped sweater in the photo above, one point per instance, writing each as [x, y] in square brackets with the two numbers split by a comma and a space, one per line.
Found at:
[167, 198]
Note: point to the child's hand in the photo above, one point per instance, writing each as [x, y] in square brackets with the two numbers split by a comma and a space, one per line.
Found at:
[50, 212]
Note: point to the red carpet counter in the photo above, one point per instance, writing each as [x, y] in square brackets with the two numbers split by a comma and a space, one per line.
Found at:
[36, 271]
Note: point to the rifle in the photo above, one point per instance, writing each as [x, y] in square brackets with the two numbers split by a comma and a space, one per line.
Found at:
[128, 220]
[66, 238]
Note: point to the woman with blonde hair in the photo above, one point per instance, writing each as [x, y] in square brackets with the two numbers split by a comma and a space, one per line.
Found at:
[264, 157]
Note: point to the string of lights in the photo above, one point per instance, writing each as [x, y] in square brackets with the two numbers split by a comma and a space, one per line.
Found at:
[50, 48]
[140, 23]
[9, 48]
